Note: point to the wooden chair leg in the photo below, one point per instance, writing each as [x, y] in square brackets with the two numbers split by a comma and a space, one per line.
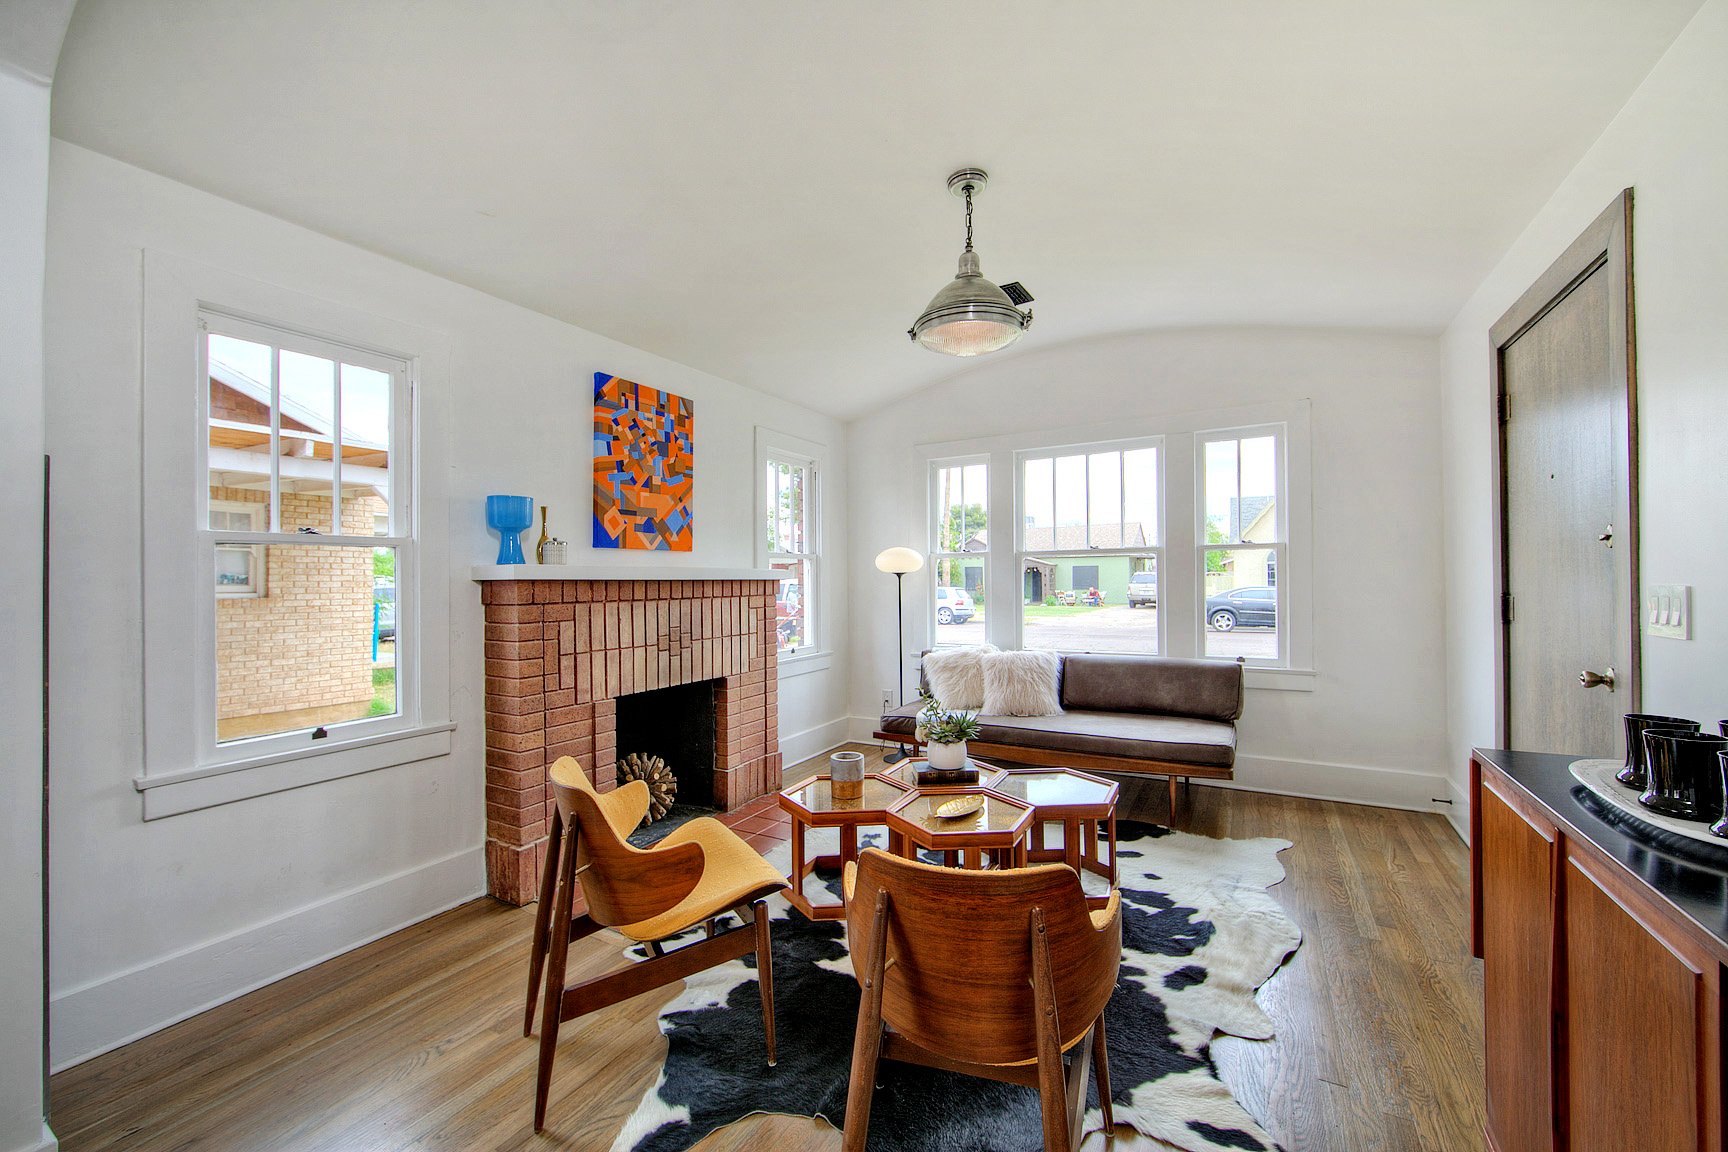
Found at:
[765, 974]
[554, 1000]
[542, 921]
[1074, 1088]
[1052, 1084]
[1101, 1073]
[867, 1041]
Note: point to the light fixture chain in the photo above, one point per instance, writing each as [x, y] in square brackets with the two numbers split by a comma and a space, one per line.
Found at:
[968, 217]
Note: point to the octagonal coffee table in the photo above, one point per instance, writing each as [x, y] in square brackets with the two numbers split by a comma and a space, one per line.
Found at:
[998, 828]
[1080, 802]
[811, 804]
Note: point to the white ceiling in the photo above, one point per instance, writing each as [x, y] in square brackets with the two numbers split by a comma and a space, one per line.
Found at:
[755, 187]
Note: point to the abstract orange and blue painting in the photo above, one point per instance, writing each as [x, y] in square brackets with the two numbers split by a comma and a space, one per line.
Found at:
[643, 466]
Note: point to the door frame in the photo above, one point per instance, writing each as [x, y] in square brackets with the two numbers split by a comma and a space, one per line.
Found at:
[1605, 245]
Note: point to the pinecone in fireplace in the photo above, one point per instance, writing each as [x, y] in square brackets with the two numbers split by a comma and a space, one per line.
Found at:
[662, 785]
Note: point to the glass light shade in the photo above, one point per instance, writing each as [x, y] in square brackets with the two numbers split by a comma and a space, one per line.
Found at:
[899, 560]
[969, 317]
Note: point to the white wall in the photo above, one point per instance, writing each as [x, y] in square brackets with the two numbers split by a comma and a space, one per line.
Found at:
[1667, 145]
[23, 215]
[1372, 729]
[154, 921]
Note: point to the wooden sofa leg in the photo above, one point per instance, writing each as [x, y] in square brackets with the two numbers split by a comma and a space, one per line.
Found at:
[1172, 780]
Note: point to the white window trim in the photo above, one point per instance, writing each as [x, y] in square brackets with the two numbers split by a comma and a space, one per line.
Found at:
[787, 448]
[932, 557]
[1178, 567]
[184, 770]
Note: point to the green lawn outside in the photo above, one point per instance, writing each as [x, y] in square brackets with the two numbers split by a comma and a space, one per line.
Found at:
[383, 692]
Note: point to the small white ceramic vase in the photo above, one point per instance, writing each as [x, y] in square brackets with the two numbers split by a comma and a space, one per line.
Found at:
[946, 757]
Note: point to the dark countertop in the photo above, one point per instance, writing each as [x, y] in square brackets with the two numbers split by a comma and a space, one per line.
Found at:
[1691, 876]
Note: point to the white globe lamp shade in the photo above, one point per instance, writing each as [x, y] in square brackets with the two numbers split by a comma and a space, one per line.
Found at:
[899, 560]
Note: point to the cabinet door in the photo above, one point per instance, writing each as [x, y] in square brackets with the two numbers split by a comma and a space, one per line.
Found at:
[1637, 995]
[1518, 859]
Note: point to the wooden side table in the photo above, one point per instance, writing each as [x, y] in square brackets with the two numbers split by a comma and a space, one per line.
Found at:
[811, 804]
[1080, 802]
[998, 828]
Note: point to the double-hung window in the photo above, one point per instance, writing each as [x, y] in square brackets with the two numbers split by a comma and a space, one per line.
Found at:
[790, 498]
[1089, 547]
[959, 549]
[306, 530]
[288, 638]
[1241, 542]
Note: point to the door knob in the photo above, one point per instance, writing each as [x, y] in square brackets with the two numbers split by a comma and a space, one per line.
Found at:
[1597, 679]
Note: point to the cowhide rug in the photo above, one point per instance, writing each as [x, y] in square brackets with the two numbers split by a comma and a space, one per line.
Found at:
[1200, 934]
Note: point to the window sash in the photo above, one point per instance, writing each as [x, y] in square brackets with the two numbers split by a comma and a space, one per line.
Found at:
[281, 339]
[1279, 433]
[209, 748]
[776, 467]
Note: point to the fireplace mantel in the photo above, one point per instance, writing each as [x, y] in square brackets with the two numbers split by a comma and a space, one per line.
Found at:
[563, 642]
[484, 572]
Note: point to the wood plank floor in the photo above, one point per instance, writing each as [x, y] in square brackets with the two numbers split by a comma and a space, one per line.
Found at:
[414, 1042]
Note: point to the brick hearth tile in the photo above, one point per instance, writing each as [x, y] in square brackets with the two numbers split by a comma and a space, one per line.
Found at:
[584, 591]
[512, 872]
[516, 835]
[516, 741]
[561, 699]
[558, 613]
[514, 613]
[508, 761]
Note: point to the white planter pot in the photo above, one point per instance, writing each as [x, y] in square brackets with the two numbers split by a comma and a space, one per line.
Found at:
[947, 757]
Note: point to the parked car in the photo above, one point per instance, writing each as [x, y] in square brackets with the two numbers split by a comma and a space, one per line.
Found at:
[384, 598]
[1247, 607]
[953, 606]
[1143, 589]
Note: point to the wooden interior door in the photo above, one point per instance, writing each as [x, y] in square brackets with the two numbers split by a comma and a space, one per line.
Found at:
[1519, 856]
[1563, 368]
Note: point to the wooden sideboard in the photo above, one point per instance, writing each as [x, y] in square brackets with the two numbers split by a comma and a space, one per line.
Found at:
[1603, 944]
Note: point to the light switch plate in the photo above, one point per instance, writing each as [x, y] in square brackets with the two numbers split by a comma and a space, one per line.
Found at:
[1668, 611]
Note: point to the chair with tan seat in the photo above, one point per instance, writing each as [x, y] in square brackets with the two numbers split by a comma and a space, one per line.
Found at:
[1002, 975]
[699, 871]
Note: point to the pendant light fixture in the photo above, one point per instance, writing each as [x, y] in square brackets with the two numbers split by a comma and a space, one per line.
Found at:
[972, 316]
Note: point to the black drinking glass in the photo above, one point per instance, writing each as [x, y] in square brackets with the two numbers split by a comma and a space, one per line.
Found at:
[1637, 723]
[1683, 774]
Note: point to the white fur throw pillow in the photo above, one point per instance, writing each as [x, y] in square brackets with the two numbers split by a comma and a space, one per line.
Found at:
[956, 676]
[1021, 684]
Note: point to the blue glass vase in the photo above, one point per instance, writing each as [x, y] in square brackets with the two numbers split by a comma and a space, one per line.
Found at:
[510, 516]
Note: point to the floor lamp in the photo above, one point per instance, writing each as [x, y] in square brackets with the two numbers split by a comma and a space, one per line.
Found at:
[899, 561]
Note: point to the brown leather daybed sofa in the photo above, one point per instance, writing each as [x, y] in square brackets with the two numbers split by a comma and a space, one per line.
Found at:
[1139, 715]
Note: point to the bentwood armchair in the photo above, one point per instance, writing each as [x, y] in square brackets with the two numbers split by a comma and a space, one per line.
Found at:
[699, 871]
[1000, 974]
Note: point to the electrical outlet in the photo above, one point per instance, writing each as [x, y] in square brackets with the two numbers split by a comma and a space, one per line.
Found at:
[887, 699]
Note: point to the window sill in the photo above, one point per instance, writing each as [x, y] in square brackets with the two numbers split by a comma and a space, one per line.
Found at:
[174, 793]
[1280, 679]
[805, 663]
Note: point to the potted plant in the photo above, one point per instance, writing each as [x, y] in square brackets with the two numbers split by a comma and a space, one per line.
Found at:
[946, 734]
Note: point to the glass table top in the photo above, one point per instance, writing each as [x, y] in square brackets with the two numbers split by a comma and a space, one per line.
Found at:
[817, 796]
[1055, 788]
[997, 814]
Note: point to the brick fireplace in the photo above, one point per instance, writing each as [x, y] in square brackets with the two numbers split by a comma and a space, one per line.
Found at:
[559, 653]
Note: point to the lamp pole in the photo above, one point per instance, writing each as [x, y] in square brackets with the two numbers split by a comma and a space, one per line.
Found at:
[899, 561]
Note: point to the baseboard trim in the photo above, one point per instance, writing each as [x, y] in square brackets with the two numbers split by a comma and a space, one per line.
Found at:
[106, 1014]
[48, 1143]
[1458, 812]
[814, 741]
